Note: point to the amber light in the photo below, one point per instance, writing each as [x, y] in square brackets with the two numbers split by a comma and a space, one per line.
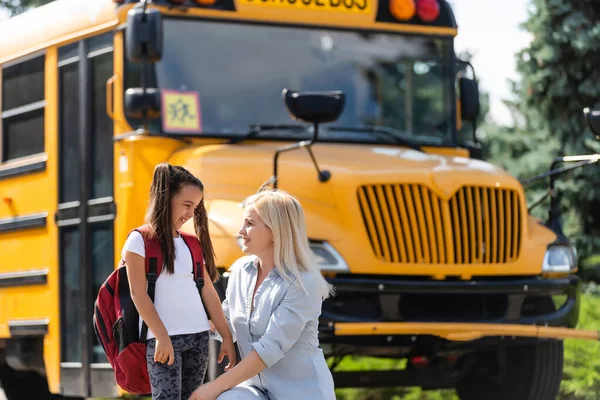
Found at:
[402, 9]
[205, 2]
[428, 10]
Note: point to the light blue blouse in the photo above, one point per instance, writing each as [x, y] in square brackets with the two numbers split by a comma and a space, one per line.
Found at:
[283, 329]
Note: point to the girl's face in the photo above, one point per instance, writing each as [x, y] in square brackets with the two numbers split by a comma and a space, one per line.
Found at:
[257, 237]
[184, 203]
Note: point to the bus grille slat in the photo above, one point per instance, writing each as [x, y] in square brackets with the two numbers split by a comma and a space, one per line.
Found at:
[409, 223]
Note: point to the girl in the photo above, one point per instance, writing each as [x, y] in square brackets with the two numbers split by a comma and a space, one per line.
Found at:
[178, 327]
[273, 303]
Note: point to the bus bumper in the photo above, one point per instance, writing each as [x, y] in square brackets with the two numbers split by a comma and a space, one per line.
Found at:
[461, 331]
[375, 311]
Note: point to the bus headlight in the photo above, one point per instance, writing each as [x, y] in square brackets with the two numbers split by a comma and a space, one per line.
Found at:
[328, 258]
[561, 259]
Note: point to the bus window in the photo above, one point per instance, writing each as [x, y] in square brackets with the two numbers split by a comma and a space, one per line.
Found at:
[23, 109]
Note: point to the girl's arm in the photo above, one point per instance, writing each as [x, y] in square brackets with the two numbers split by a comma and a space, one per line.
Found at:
[136, 273]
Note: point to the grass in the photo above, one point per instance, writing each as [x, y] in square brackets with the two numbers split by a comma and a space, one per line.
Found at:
[351, 363]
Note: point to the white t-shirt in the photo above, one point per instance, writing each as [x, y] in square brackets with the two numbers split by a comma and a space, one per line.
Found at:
[176, 296]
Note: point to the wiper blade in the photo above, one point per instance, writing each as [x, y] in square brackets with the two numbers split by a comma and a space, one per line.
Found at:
[256, 129]
[385, 131]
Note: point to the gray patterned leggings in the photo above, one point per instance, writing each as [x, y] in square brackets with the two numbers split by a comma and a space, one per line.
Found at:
[179, 380]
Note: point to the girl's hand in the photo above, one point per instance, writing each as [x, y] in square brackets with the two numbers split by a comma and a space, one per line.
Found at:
[205, 392]
[227, 348]
[164, 351]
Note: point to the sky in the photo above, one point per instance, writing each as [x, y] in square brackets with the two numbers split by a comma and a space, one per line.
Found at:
[490, 30]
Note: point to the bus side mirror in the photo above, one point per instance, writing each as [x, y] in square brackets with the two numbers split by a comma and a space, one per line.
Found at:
[144, 35]
[592, 117]
[314, 107]
[469, 99]
[140, 103]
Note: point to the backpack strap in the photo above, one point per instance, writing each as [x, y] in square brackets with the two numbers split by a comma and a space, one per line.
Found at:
[193, 244]
[154, 264]
[197, 257]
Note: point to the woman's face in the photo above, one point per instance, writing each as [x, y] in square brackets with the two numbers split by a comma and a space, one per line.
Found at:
[184, 203]
[257, 237]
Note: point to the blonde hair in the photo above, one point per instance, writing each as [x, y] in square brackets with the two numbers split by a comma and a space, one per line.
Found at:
[283, 214]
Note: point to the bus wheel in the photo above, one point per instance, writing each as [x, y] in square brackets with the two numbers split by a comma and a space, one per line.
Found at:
[23, 384]
[518, 373]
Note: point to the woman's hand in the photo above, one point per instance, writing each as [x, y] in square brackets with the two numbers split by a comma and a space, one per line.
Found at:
[164, 351]
[227, 348]
[205, 392]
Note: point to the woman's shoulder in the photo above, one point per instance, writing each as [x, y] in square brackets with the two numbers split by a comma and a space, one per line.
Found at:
[306, 275]
[236, 271]
[239, 264]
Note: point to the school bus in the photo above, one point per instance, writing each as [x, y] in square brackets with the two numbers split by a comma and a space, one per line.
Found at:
[354, 106]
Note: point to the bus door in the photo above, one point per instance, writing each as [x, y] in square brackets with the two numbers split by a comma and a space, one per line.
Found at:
[86, 210]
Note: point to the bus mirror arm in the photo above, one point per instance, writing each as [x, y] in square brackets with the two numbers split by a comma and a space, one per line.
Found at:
[593, 121]
[315, 108]
[324, 175]
[554, 211]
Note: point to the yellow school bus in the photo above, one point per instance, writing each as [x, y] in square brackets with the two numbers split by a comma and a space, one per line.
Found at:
[354, 106]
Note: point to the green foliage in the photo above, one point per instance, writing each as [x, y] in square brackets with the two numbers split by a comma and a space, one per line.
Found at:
[353, 363]
[559, 78]
[395, 394]
[581, 377]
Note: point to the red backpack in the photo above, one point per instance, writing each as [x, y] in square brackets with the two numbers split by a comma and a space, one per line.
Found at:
[116, 320]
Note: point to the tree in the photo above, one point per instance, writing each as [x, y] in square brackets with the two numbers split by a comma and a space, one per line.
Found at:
[15, 7]
[559, 77]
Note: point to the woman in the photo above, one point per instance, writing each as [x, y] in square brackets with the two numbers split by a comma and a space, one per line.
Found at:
[178, 327]
[273, 303]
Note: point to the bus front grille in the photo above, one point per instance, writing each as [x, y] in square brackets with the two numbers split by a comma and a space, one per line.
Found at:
[409, 223]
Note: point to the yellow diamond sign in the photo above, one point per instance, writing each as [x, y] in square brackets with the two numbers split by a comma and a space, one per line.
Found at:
[181, 111]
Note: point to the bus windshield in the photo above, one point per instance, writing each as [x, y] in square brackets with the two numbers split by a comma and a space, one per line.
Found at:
[397, 82]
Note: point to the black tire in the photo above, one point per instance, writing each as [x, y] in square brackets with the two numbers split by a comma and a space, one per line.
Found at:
[531, 372]
[26, 385]
[21, 385]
